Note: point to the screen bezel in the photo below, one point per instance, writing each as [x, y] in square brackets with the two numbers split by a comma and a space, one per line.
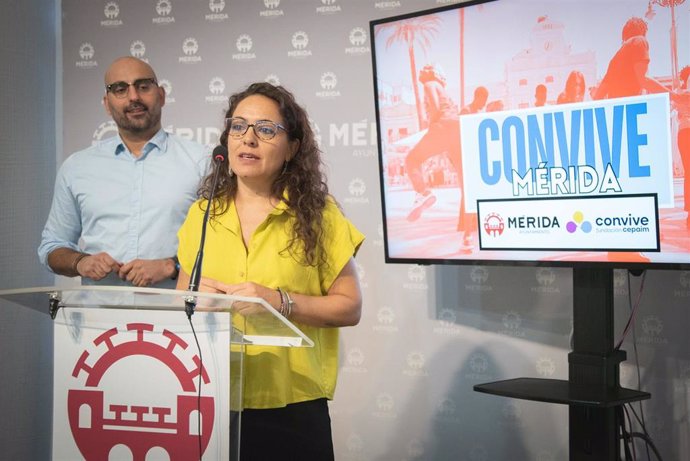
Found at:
[474, 261]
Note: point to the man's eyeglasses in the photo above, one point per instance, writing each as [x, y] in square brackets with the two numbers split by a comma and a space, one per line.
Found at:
[264, 129]
[142, 86]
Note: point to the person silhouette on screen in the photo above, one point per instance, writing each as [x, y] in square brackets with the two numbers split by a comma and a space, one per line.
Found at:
[540, 92]
[682, 107]
[634, 27]
[467, 222]
[481, 96]
[626, 74]
[442, 135]
[574, 90]
[495, 106]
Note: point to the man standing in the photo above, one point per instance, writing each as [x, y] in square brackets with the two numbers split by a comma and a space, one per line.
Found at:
[118, 204]
[467, 222]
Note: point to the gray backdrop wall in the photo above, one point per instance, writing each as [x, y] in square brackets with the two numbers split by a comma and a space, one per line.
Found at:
[428, 334]
[28, 42]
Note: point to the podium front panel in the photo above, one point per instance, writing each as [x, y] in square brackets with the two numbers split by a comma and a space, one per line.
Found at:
[131, 384]
[130, 381]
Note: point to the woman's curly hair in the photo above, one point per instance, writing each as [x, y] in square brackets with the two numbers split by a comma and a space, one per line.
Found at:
[302, 178]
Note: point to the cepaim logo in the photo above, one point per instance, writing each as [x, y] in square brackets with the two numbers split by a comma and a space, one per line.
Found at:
[494, 225]
[579, 222]
[98, 425]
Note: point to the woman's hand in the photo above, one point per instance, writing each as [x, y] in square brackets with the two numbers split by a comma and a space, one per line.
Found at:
[245, 289]
[341, 306]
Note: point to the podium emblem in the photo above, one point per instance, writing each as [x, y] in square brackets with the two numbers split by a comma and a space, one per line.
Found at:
[99, 425]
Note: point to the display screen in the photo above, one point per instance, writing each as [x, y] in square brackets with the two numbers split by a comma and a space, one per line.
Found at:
[536, 132]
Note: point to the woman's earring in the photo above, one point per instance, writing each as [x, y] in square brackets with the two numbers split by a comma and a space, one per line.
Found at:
[285, 165]
[232, 173]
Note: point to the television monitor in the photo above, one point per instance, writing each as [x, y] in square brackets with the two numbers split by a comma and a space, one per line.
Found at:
[535, 132]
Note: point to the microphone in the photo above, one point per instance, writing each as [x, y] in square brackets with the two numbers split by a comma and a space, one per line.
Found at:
[220, 154]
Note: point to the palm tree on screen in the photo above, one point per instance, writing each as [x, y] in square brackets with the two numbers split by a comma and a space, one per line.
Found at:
[415, 31]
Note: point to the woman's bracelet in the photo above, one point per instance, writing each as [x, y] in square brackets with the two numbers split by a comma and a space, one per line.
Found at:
[289, 305]
[285, 308]
[75, 263]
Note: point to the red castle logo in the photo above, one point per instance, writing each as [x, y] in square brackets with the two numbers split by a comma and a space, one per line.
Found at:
[493, 225]
[139, 428]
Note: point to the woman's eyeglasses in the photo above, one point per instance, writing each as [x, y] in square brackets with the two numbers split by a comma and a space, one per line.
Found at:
[264, 129]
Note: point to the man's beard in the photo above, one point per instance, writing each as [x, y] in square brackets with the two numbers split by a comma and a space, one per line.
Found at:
[140, 124]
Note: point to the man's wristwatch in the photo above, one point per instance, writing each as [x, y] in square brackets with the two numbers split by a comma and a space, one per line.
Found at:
[176, 262]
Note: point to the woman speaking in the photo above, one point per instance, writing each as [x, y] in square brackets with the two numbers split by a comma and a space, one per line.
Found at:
[275, 233]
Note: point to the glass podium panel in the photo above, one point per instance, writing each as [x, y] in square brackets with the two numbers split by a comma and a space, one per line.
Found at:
[262, 326]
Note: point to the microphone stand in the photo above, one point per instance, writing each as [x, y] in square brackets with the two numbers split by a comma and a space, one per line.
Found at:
[219, 154]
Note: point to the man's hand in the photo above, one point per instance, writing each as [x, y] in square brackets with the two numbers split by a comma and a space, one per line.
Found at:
[146, 272]
[97, 266]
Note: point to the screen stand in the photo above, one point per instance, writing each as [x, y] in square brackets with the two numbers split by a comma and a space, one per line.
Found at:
[594, 363]
[593, 389]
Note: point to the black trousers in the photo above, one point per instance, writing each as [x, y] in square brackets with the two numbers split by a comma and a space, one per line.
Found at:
[298, 432]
